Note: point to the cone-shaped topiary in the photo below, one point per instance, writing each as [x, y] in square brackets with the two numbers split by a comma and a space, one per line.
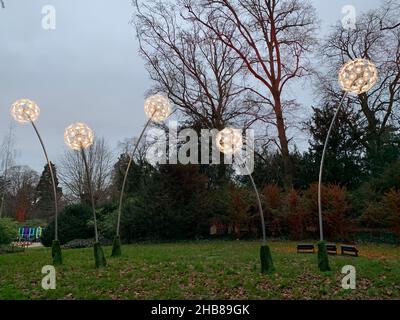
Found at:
[99, 256]
[323, 261]
[56, 253]
[116, 249]
[267, 265]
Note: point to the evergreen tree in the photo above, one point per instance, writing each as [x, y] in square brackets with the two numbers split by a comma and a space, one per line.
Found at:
[343, 163]
[44, 205]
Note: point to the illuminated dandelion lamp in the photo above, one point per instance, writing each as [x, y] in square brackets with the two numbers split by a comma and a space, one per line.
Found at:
[229, 141]
[358, 76]
[157, 108]
[27, 111]
[355, 77]
[78, 136]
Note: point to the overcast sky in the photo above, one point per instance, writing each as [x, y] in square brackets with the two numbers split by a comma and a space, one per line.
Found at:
[87, 69]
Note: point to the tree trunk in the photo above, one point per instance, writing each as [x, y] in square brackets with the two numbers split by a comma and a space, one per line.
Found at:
[284, 144]
[2, 206]
[372, 138]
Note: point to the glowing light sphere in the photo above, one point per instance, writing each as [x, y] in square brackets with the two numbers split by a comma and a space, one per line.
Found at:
[157, 108]
[229, 140]
[25, 110]
[358, 76]
[78, 136]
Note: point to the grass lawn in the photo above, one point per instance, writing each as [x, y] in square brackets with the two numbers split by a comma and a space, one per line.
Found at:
[201, 270]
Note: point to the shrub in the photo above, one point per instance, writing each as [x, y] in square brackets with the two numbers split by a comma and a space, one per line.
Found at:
[272, 194]
[107, 221]
[173, 204]
[85, 243]
[8, 230]
[10, 249]
[375, 216]
[272, 207]
[335, 211]
[79, 243]
[304, 222]
[391, 205]
[73, 223]
[338, 224]
[294, 216]
[242, 214]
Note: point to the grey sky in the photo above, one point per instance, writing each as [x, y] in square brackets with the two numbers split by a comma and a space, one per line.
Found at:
[87, 69]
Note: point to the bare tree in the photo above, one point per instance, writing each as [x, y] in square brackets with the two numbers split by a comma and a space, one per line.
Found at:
[376, 37]
[272, 38]
[127, 145]
[23, 181]
[202, 76]
[390, 15]
[72, 171]
[2, 4]
[7, 160]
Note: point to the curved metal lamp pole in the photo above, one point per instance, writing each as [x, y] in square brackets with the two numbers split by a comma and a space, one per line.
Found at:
[78, 136]
[229, 141]
[157, 108]
[24, 111]
[260, 208]
[90, 189]
[53, 181]
[356, 76]
[100, 260]
[121, 196]
[267, 265]
[321, 232]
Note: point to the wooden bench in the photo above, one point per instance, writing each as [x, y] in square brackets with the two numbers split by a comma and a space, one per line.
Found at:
[305, 248]
[349, 250]
[331, 248]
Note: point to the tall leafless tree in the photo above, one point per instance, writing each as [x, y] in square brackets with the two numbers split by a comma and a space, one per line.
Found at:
[376, 37]
[72, 171]
[272, 38]
[389, 17]
[23, 181]
[6, 161]
[201, 75]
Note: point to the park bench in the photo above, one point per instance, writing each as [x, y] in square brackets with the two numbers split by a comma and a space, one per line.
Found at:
[305, 248]
[349, 250]
[331, 248]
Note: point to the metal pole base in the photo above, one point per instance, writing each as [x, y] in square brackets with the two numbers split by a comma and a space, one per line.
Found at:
[267, 265]
[116, 249]
[56, 253]
[99, 258]
[323, 260]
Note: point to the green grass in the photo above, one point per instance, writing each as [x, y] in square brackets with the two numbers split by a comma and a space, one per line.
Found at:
[201, 270]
